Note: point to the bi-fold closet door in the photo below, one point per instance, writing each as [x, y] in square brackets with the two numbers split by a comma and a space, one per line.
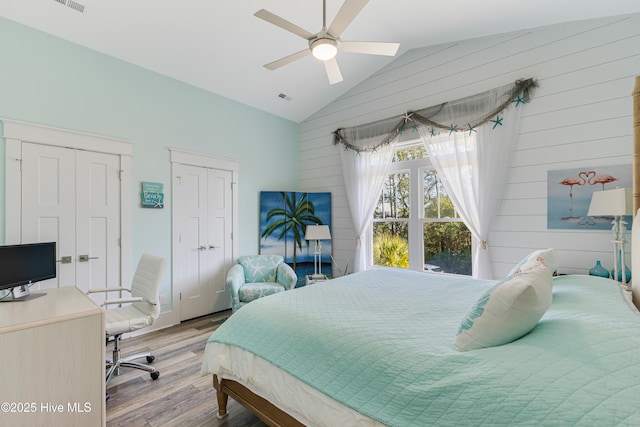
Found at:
[203, 238]
[72, 195]
[205, 229]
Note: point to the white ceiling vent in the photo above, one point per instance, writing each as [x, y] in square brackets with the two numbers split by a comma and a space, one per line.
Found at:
[77, 6]
[72, 4]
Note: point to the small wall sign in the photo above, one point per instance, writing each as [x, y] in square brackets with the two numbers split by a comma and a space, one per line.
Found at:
[152, 195]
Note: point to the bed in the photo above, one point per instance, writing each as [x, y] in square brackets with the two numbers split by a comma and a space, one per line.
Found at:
[377, 348]
[389, 347]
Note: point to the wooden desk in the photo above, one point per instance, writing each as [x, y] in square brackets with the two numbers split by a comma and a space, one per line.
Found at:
[52, 361]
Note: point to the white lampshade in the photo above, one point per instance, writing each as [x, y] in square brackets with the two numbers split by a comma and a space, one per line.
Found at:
[324, 49]
[616, 202]
[317, 232]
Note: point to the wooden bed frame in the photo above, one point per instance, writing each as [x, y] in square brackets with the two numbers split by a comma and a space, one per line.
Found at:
[274, 416]
[262, 408]
[635, 283]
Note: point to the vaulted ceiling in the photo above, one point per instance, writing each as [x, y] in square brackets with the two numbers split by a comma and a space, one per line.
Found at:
[221, 47]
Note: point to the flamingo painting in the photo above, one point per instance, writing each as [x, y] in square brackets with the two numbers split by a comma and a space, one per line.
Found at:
[582, 182]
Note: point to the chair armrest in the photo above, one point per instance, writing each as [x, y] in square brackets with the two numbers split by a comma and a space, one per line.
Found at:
[235, 279]
[114, 289]
[125, 300]
[286, 276]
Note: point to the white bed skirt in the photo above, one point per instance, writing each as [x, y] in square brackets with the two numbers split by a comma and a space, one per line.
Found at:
[312, 408]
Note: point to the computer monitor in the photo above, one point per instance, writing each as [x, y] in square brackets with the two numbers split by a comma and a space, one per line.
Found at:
[23, 265]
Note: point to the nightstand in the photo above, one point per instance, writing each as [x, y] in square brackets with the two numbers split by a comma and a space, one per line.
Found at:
[309, 280]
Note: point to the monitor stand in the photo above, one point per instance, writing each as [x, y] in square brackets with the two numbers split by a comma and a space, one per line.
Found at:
[21, 293]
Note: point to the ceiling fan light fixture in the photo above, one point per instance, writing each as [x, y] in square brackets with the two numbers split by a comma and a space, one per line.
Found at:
[324, 49]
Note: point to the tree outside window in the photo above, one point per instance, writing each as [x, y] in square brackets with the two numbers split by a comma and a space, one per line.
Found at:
[391, 226]
[446, 240]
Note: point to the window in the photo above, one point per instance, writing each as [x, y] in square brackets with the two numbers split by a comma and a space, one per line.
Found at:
[415, 225]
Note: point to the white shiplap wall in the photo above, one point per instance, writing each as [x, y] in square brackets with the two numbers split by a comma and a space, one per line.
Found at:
[580, 115]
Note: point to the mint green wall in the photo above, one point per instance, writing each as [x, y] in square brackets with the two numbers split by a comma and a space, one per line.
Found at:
[49, 81]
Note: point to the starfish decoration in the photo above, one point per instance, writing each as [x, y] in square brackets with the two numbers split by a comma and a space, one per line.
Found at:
[415, 127]
[452, 129]
[257, 269]
[497, 121]
[401, 130]
[472, 128]
[407, 117]
[432, 131]
[520, 100]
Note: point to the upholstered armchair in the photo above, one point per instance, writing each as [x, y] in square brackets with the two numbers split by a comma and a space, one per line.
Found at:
[256, 276]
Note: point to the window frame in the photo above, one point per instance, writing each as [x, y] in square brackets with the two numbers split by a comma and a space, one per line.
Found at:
[416, 219]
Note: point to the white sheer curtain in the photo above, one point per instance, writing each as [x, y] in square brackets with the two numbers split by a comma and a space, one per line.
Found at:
[364, 174]
[473, 167]
[469, 141]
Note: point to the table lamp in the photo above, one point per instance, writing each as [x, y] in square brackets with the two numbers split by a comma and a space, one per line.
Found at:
[616, 203]
[317, 233]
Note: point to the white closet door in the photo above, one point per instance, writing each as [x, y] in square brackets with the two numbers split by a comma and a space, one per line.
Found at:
[49, 205]
[220, 253]
[72, 197]
[202, 207]
[191, 199]
[97, 222]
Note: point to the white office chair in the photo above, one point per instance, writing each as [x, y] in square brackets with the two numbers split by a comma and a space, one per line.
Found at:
[142, 311]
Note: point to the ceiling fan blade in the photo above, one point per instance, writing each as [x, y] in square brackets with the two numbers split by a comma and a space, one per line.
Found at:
[283, 23]
[287, 60]
[372, 48]
[333, 71]
[346, 14]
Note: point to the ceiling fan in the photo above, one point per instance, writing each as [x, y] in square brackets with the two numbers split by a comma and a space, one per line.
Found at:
[325, 44]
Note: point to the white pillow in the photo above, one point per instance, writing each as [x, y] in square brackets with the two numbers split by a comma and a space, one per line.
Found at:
[543, 258]
[507, 311]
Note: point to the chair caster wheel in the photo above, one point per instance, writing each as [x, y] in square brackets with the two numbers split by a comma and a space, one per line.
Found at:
[150, 359]
[155, 375]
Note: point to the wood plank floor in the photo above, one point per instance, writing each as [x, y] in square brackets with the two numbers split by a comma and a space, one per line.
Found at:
[180, 397]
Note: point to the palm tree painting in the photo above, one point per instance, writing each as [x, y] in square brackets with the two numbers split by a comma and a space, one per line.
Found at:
[569, 193]
[284, 217]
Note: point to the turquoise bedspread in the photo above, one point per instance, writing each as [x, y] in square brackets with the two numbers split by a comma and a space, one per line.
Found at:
[381, 343]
